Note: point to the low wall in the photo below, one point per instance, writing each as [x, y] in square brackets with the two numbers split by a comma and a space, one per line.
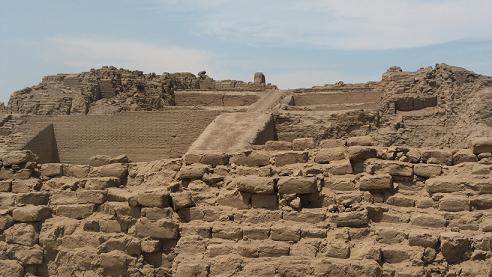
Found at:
[329, 98]
[143, 136]
[214, 98]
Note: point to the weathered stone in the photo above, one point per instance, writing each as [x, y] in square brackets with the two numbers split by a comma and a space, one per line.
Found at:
[331, 143]
[444, 185]
[11, 268]
[454, 204]
[393, 168]
[182, 200]
[361, 141]
[234, 198]
[194, 171]
[265, 201]
[117, 170]
[427, 170]
[212, 159]
[326, 155]
[5, 186]
[100, 183]
[428, 220]
[351, 219]
[253, 184]
[285, 233]
[29, 185]
[274, 145]
[297, 185]
[32, 198]
[341, 167]
[154, 198]
[375, 182]
[301, 144]
[423, 238]
[21, 233]
[31, 213]
[160, 229]
[51, 170]
[455, 247]
[290, 157]
[99, 160]
[250, 158]
[77, 211]
[481, 145]
[32, 256]
[18, 157]
[444, 157]
[463, 156]
[361, 153]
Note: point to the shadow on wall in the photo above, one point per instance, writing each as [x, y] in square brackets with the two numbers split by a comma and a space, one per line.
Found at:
[44, 145]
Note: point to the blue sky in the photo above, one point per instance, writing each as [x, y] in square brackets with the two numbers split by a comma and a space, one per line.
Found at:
[295, 43]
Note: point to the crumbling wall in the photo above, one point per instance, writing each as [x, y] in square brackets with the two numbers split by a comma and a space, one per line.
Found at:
[337, 208]
[144, 136]
[109, 90]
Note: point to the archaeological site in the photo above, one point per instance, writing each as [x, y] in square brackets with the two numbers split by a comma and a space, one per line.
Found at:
[113, 172]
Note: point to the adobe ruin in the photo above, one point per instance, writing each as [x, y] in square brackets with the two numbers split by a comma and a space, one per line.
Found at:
[114, 172]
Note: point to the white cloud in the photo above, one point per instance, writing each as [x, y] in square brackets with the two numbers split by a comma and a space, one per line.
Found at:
[84, 53]
[309, 78]
[347, 24]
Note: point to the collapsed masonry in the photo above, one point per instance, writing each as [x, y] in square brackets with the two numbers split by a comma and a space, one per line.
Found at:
[389, 178]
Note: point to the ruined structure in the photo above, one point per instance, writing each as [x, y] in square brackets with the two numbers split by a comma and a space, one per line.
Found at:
[118, 173]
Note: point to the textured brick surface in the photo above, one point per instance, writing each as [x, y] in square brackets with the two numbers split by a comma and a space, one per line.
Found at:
[144, 136]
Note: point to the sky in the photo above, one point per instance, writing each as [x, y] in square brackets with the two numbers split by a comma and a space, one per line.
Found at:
[295, 43]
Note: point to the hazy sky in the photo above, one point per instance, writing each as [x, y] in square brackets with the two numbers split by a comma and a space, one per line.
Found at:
[295, 43]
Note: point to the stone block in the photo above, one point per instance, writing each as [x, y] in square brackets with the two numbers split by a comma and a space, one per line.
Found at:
[427, 170]
[29, 185]
[334, 249]
[18, 157]
[400, 201]
[291, 157]
[288, 185]
[11, 268]
[159, 229]
[117, 170]
[256, 232]
[481, 202]
[455, 247]
[428, 220]
[481, 145]
[76, 211]
[155, 213]
[454, 204]
[227, 231]
[32, 198]
[253, 184]
[361, 153]
[31, 213]
[250, 158]
[154, 198]
[463, 156]
[77, 171]
[446, 184]
[301, 144]
[234, 198]
[375, 182]
[340, 183]
[326, 155]
[5, 186]
[285, 233]
[340, 167]
[331, 143]
[361, 141]
[351, 219]
[193, 172]
[435, 156]
[393, 168]
[99, 160]
[30, 256]
[21, 233]
[274, 145]
[212, 159]
[51, 170]
[423, 238]
[100, 183]
[182, 200]
[273, 249]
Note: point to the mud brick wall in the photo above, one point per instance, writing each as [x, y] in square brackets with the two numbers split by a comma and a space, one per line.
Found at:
[143, 136]
[336, 208]
[214, 99]
[305, 99]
